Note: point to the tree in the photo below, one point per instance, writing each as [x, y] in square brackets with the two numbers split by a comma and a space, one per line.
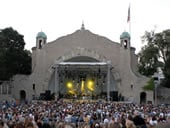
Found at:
[166, 70]
[156, 53]
[166, 53]
[148, 60]
[13, 58]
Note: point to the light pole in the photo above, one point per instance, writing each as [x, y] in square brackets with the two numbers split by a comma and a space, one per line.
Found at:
[156, 82]
[155, 91]
[108, 80]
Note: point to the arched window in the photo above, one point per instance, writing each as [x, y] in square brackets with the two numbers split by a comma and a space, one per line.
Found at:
[40, 44]
[125, 43]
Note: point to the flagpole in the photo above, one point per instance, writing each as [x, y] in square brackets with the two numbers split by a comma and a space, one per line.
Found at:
[129, 19]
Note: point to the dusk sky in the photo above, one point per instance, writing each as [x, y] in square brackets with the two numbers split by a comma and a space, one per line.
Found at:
[103, 17]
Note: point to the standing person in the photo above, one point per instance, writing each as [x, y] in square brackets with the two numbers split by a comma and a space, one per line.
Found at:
[106, 122]
[116, 125]
[1, 124]
[129, 122]
[30, 125]
[153, 122]
[138, 120]
[111, 123]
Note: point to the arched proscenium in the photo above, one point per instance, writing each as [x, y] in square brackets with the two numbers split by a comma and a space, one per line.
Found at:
[83, 52]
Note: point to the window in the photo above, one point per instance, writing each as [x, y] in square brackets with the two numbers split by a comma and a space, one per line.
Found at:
[131, 86]
[125, 43]
[4, 89]
[33, 86]
[40, 44]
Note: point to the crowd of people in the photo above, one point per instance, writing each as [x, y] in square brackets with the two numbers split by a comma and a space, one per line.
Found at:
[80, 114]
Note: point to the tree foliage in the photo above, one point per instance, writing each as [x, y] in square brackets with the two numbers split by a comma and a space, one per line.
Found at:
[166, 70]
[148, 60]
[13, 58]
[156, 53]
[149, 85]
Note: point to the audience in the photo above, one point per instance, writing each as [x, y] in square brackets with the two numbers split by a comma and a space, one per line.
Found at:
[64, 113]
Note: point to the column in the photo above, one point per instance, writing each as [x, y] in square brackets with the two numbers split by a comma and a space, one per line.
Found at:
[1, 89]
[155, 91]
[7, 89]
[108, 81]
[56, 82]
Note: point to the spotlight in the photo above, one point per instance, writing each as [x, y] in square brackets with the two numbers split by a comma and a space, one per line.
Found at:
[90, 85]
[82, 86]
[70, 85]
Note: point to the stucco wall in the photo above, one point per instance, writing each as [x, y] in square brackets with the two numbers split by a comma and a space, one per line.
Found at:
[83, 43]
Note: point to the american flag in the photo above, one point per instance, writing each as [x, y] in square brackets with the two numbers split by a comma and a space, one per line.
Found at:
[128, 18]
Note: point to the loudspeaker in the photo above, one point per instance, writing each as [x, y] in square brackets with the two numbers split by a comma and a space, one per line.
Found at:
[42, 96]
[48, 92]
[114, 95]
[47, 95]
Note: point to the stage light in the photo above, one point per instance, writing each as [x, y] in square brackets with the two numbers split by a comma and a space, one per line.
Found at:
[70, 85]
[71, 92]
[90, 85]
[82, 86]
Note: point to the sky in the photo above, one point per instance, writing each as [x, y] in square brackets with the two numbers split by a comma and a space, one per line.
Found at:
[103, 17]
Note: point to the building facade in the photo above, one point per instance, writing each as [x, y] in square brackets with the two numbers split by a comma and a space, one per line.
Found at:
[83, 64]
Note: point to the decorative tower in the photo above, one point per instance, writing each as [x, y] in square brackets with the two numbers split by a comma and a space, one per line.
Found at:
[125, 40]
[41, 40]
[82, 26]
